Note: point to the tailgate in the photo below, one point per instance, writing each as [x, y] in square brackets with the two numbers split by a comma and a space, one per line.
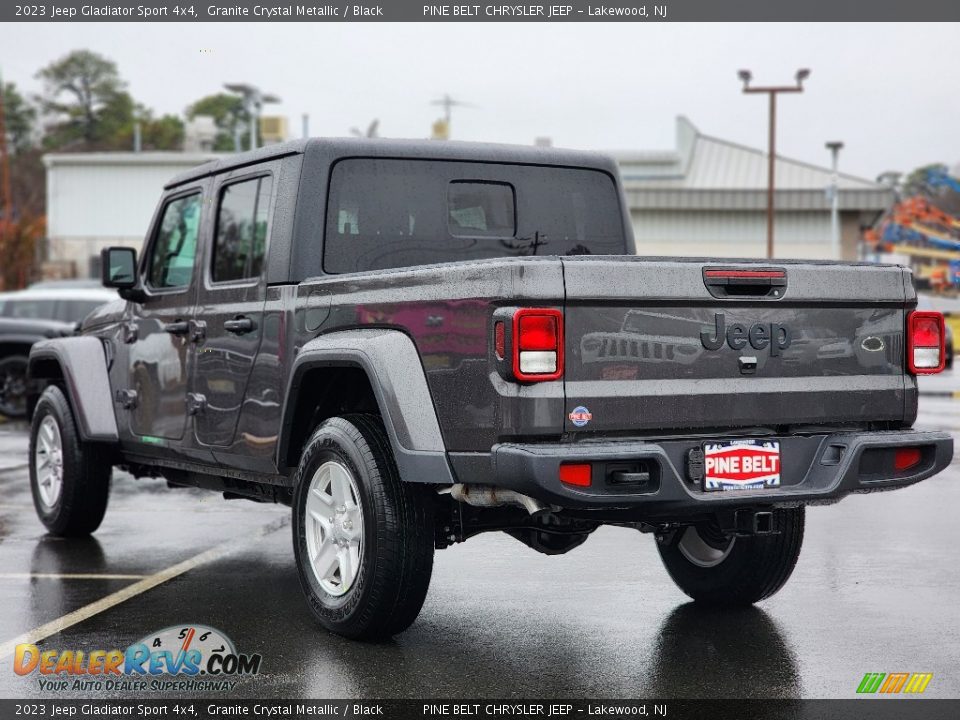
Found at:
[666, 344]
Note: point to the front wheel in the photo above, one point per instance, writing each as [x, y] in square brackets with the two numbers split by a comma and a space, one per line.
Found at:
[363, 539]
[718, 569]
[69, 478]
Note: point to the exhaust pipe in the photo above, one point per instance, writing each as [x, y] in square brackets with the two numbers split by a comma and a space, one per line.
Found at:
[488, 496]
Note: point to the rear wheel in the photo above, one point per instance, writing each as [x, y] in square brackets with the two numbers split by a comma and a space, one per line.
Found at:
[721, 569]
[69, 479]
[363, 539]
[13, 387]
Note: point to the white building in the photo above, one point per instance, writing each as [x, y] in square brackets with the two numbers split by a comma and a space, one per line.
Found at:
[709, 197]
[95, 200]
[706, 197]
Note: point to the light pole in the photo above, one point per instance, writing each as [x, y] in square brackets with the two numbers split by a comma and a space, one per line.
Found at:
[746, 76]
[253, 101]
[834, 147]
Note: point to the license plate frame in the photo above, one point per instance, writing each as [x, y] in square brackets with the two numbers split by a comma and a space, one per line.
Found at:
[744, 464]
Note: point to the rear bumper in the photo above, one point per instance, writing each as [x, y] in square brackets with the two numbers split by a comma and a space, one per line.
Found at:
[816, 469]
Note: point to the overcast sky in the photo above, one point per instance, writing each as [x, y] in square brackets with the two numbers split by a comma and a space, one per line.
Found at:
[889, 92]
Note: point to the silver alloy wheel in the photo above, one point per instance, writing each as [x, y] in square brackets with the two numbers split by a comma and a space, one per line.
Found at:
[701, 553]
[48, 460]
[334, 527]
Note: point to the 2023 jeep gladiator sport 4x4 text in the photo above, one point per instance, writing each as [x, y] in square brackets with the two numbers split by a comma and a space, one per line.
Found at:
[412, 343]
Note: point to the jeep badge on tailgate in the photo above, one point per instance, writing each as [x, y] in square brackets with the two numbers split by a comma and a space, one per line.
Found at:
[759, 335]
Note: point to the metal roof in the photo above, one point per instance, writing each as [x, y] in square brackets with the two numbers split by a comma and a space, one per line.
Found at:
[706, 173]
[129, 158]
[703, 162]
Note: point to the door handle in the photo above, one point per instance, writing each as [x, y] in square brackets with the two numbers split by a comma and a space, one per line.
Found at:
[238, 325]
[180, 327]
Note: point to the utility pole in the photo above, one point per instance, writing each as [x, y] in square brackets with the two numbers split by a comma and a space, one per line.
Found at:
[6, 193]
[772, 91]
[835, 147]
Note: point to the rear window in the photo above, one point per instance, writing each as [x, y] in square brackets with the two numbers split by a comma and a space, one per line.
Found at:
[389, 213]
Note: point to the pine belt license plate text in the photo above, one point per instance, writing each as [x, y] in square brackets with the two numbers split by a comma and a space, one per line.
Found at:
[741, 465]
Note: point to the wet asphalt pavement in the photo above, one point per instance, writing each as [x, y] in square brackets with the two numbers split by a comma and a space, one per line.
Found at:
[877, 589]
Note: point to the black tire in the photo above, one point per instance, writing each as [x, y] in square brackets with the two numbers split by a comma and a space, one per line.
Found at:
[86, 469]
[13, 387]
[752, 569]
[396, 550]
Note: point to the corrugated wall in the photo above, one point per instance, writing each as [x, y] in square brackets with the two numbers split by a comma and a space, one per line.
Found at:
[105, 200]
[92, 205]
[730, 234]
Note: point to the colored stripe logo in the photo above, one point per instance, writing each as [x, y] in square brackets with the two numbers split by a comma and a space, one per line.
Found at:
[893, 683]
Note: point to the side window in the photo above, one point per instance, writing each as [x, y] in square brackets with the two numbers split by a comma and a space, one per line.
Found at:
[241, 238]
[171, 259]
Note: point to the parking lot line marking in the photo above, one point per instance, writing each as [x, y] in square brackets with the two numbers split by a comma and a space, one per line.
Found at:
[138, 588]
[68, 576]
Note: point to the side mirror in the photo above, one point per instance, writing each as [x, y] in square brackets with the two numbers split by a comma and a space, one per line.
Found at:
[118, 267]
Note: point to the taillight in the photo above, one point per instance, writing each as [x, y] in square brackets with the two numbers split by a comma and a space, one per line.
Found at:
[925, 342]
[537, 344]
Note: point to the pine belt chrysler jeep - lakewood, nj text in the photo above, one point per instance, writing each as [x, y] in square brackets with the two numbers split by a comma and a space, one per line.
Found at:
[411, 343]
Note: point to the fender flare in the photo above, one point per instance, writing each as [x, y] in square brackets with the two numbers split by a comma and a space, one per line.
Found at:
[393, 367]
[83, 365]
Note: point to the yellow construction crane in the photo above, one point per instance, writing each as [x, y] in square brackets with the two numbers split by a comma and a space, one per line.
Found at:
[929, 253]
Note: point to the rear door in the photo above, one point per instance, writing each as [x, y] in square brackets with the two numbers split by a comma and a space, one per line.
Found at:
[660, 345]
[230, 301]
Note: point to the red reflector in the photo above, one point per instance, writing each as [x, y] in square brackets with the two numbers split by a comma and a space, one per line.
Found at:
[905, 458]
[499, 342]
[538, 332]
[575, 474]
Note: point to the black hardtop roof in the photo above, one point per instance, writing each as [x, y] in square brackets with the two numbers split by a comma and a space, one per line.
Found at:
[420, 149]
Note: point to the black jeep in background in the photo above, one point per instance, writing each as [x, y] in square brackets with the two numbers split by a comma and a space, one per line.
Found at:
[17, 336]
[412, 343]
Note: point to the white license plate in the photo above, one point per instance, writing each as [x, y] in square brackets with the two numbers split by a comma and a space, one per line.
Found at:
[741, 465]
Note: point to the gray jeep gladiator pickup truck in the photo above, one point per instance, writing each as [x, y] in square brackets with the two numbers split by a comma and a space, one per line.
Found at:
[411, 343]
